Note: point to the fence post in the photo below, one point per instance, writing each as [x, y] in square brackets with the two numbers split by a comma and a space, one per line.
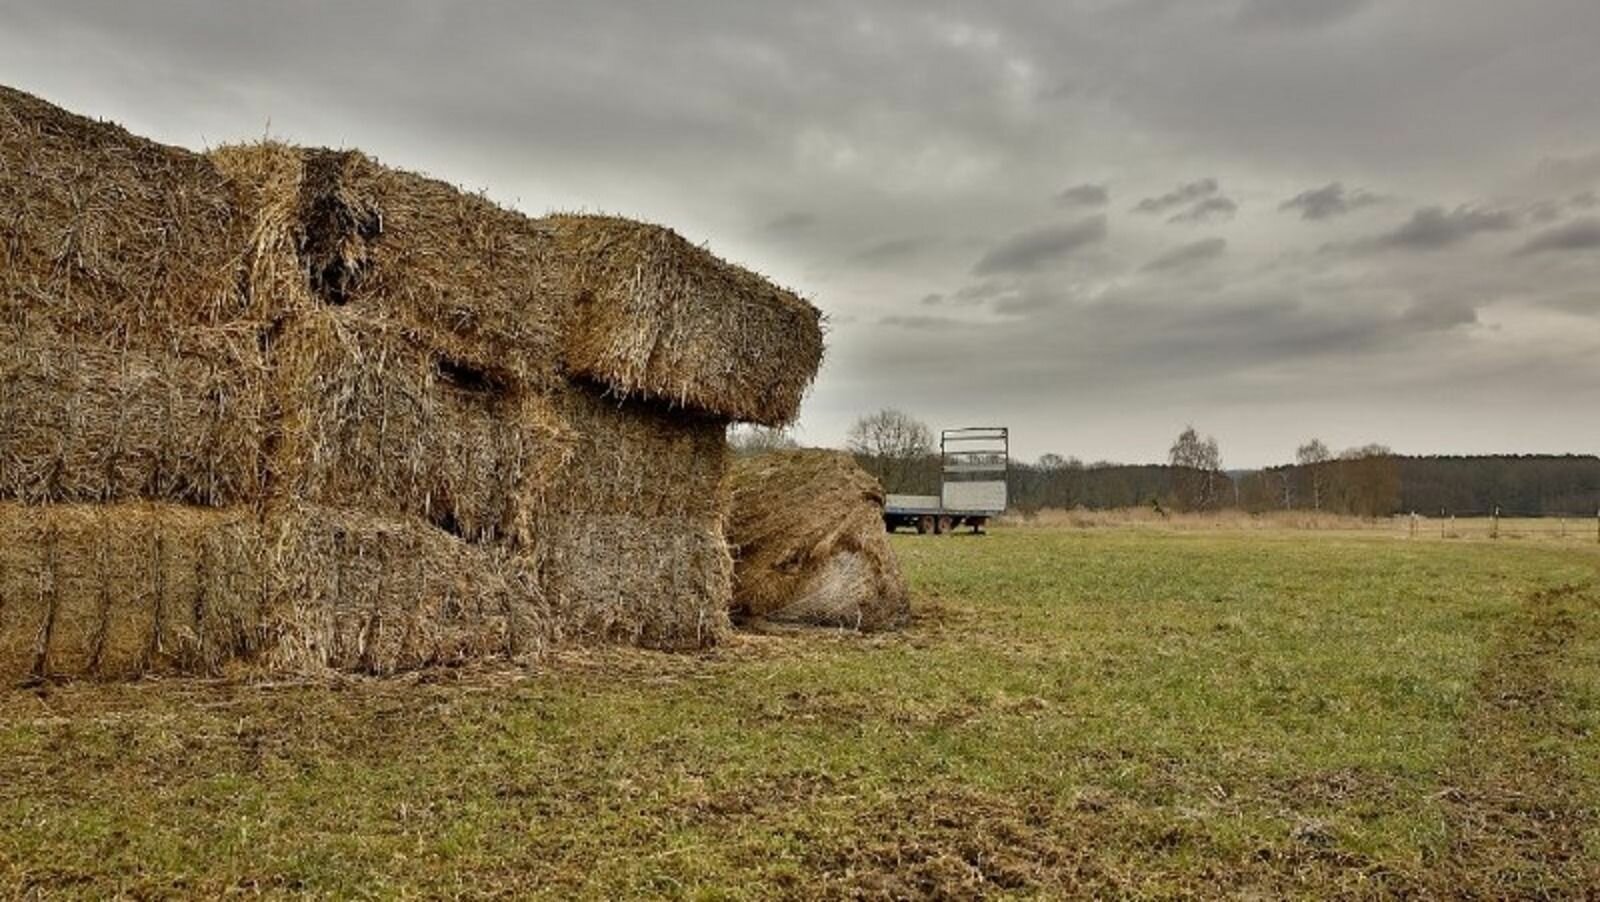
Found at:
[1413, 524]
[1494, 525]
[1442, 533]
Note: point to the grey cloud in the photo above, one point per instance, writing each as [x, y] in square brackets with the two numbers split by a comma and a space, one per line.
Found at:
[1183, 194]
[981, 292]
[1583, 302]
[1036, 249]
[1577, 173]
[1024, 303]
[1187, 255]
[1208, 210]
[1435, 228]
[890, 250]
[1588, 200]
[932, 299]
[922, 323]
[1084, 196]
[1440, 315]
[1329, 201]
[1290, 14]
[1578, 235]
[793, 221]
[1545, 211]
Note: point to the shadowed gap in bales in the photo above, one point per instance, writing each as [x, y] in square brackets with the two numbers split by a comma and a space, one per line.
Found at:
[479, 382]
[336, 226]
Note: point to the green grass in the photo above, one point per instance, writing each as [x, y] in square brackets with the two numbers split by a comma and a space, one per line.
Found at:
[1092, 712]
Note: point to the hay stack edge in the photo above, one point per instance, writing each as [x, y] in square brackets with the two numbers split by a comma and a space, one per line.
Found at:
[281, 409]
[809, 545]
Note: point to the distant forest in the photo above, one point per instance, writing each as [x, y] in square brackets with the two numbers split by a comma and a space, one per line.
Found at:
[1374, 486]
[1380, 485]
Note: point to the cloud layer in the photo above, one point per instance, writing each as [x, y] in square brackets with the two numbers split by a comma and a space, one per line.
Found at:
[1092, 221]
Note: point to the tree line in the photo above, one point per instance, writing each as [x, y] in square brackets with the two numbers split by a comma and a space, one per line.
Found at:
[1370, 480]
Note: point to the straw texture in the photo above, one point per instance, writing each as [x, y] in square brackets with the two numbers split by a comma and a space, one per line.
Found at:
[282, 409]
[809, 543]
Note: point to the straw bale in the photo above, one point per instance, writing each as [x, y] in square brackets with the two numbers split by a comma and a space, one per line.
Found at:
[657, 317]
[660, 582]
[110, 236]
[809, 545]
[81, 421]
[375, 421]
[637, 458]
[119, 590]
[450, 265]
[357, 592]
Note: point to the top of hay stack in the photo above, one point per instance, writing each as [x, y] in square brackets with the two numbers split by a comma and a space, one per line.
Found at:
[807, 533]
[106, 236]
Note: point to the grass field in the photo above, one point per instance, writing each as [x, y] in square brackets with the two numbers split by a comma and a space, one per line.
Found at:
[1096, 712]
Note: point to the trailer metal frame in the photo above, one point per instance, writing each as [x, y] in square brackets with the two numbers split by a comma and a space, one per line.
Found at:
[970, 459]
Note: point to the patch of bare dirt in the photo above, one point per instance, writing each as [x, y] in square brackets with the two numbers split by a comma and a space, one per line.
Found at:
[1515, 813]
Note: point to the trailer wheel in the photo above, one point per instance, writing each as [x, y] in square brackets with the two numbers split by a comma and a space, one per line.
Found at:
[945, 525]
[925, 524]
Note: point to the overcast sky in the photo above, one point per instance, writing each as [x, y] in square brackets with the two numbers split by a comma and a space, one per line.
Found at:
[1091, 221]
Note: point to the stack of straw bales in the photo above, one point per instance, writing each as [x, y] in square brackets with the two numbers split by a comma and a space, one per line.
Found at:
[809, 545]
[288, 409]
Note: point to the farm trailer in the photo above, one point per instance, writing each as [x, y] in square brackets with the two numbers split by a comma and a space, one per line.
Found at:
[974, 465]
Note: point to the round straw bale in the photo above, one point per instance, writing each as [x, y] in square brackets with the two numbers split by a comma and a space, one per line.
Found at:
[806, 529]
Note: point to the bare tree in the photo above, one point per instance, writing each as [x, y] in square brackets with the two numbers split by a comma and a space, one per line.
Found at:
[1198, 482]
[1313, 457]
[747, 438]
[1370, 478]
[1058, 477]
[890, 445]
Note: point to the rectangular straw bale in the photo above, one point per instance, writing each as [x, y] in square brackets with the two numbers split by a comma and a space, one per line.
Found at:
[125, 589]
[363, 593]
[660, 582]
[637, 458]
[451, 265]
[83, 421]
[376, 421]
[659, 318]
[110, 236]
